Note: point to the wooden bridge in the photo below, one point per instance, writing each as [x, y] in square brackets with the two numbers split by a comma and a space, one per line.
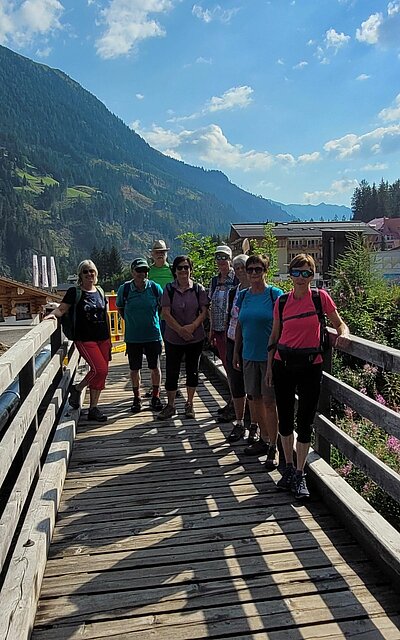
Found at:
[138, 529]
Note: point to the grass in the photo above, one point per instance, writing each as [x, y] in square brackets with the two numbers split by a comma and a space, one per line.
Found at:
[74, 192]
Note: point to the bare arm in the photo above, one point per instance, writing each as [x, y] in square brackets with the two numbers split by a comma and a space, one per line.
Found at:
[272, 345]
[198, 321]
[58, 312]
[236, 360]
[341, 328]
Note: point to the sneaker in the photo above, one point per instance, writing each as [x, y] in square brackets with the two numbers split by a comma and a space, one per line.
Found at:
[299, 487]
[179, 394]
[237, 432]
[189, 411]
[227, 416]
[74, 399]
[271, 462]
[136, 405]
[253, 433]
[258, 448]
[167, 412]
[96, 415]
[156, 403]
[285, 483]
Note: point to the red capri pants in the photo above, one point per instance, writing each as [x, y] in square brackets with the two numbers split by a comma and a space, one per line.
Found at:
[97, 355]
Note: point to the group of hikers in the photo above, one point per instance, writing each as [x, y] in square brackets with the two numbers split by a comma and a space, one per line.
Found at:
[270, 343]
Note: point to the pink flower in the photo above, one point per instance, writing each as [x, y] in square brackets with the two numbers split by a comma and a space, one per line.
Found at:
[346, 469]
[380, 399]
[349, 413]
[393, 444]
[363, 390]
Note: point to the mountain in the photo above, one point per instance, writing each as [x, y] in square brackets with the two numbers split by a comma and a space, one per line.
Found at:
[317, 212]
[74, 176]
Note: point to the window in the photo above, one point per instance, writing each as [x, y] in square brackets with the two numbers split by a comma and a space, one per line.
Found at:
[23, 311]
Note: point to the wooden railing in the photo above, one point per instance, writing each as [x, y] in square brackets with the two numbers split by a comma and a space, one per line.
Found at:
[34, 453]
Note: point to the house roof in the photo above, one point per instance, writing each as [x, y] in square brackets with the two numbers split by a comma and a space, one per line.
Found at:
[38, 291]
[296, 229]
[386, 226]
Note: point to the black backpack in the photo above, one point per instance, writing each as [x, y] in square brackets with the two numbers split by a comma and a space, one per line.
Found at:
[125, 294]
[316, 298]
[171, 292]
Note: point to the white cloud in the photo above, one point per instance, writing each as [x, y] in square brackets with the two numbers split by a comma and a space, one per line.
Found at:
[21, 23]
[362, 77]
[44, 53]
[337, 187]
[379, 166]
[216, 13]
[301, 65]
[201, 60]
[139, 96]
[128, 22]
[391, 113]
[335, 40]
[233, 98]
[309, 157]
[280, 61]
[380, 29]
[382, 140]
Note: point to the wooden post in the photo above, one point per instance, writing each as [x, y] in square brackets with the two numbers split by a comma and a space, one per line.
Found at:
[27, 377]
[322, 445]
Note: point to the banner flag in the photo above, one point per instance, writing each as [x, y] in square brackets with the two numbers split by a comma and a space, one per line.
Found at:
[35, 270]
[45, 278]
[53, 273]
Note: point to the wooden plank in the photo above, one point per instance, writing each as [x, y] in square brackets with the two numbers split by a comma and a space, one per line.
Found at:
[373, 352]
[379, 472]
[18, 355]
[21, 587]
[13, 437]
[380, 415]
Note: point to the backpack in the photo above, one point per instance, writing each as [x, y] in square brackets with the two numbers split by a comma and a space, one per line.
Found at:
[68, 320]
[324, 342]
[244, 292]
[214, 282]
[125, 294]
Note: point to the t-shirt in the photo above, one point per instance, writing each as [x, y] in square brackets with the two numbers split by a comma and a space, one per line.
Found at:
[90, 316]
[185, 309]
[161, 275]
[303, 333]
[256, 317]
[141, 315]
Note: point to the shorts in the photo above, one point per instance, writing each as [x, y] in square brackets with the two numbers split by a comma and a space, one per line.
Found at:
[254, 380]
[135, 351]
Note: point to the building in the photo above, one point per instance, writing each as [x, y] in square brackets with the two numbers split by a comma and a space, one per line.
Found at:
[22, 303]
[388, 264]
[389, 228]
[324, 241]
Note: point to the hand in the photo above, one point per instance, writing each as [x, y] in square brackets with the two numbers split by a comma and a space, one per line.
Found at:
[268, 377]
[190, 327]
[50, 316]
[186, 334]
[342, 342]
[236, 362]
[211, 339]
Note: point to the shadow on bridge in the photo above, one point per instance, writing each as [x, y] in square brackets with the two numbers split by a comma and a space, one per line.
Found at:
[166, 530]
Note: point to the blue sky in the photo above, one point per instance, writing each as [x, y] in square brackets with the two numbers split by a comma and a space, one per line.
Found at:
[295, 100]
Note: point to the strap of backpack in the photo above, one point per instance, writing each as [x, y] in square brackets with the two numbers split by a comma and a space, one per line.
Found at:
[316, 298]
[171, 291]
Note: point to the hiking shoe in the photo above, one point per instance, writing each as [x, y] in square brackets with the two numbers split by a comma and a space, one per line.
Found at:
[257, 448]
[167, 412]
[299, 486]
[179, 394]
[253, 433]
[189, 411]
[136, 405]
[156, 403]
[285, 483]
[96, 415]
[74, 399]
[237, 433]
[271, 462]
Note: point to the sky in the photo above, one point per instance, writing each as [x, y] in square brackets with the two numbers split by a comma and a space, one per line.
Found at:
[294, 100]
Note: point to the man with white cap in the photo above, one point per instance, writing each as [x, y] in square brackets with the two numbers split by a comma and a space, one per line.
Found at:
[160, 271]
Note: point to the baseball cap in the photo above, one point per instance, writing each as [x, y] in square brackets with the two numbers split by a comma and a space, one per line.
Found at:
[139, 263]
[223, 250]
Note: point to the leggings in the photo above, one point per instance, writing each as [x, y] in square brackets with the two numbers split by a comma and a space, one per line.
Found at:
[173, 358]
[97, 355]
[307, 381]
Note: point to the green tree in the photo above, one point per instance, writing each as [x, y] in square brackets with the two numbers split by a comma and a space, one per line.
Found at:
[201, 249]
[268, 246]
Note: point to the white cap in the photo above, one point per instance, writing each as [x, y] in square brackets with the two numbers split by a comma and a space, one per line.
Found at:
[223, 248]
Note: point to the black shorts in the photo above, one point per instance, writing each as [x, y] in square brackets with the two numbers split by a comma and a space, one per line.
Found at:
[135, 351]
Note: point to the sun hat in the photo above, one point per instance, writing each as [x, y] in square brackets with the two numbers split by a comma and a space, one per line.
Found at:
[160, 245]
[139, 263]
[223, 249]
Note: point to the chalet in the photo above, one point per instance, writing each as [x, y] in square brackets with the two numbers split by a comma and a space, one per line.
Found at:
[22, 303]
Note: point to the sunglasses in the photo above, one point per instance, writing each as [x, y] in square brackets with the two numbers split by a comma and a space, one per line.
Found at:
[182, 267]
[86, 271]
[221, 257]
[304, 273]
[257, 270]
[141, 270]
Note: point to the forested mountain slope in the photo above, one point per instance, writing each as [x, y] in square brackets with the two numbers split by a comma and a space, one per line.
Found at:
[73, 175]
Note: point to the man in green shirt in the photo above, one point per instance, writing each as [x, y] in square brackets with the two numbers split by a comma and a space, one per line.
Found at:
[160, 271]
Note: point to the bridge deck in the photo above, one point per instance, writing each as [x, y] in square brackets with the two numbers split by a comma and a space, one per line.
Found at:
[166, 531]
